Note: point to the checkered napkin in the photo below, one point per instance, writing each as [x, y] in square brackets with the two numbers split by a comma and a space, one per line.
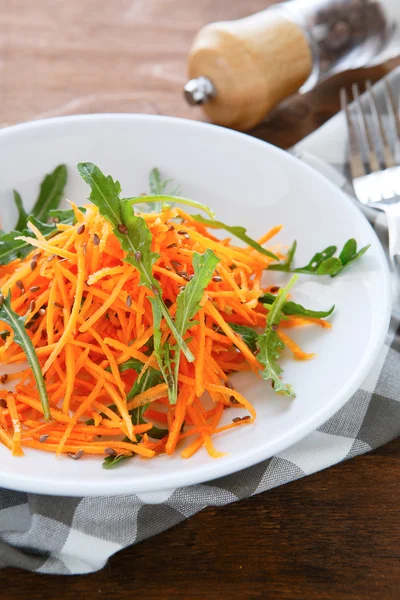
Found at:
[77, 535]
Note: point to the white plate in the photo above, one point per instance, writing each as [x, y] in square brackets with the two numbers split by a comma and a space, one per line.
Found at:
[246, 182]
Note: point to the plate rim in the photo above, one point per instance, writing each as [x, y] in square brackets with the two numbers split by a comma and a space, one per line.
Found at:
[216, 468]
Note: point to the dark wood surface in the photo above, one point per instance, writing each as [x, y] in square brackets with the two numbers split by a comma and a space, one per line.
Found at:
[331, 536]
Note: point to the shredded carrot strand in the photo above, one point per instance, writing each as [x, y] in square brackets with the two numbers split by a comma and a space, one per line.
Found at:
[297, 351]
[95, 317]
[79, 412]
[71, 325]
[16, 424]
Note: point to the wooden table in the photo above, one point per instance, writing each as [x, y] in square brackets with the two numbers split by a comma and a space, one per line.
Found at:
[334, 535]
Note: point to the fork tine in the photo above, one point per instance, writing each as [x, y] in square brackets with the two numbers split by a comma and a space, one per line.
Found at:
[383, 143]
[394, 119]
[356, 164]
[365, 139]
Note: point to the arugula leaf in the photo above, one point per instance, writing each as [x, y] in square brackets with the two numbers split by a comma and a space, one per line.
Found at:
[133, 234]
[51, 191]
[170, 199]
[12, 248]
[324, 263]
[137, 239]
[188, 299]
[270, 345]
[7, 315]
[22, 214]
[66, 216]
[292, 308]
[349, 253]
[131, 363]
[238, 231]
[111, 461]
[331, 266]
[317, 261]
[287, 264]
[248, 335]
[162, 353]
[159, 186]
[104, 192]
[47, 229]
[156, 185]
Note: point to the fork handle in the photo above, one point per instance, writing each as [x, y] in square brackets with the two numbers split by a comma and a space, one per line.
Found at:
[393, 217]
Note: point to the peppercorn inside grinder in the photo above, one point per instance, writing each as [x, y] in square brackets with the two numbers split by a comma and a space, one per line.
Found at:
[239, 70]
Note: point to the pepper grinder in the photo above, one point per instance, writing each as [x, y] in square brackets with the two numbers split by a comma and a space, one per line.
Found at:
[239, 70]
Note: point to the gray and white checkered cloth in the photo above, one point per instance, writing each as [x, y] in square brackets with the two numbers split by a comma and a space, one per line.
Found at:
[77, 535]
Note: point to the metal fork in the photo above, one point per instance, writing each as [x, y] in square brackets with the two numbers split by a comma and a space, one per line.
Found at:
[375, 158]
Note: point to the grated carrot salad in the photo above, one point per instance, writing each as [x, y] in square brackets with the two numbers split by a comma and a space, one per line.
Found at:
[87, 316]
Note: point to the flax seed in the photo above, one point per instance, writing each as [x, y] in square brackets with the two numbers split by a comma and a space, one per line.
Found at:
[43, 438]
[4, 378]
[76, 456]
[81, 229]
[33, 265]
[96, 239]
[110, 451]
[123, 228]
[35, 288]
[20, 285]
[129, 301]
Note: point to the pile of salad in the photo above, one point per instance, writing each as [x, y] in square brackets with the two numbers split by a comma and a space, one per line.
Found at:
[122, 320]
